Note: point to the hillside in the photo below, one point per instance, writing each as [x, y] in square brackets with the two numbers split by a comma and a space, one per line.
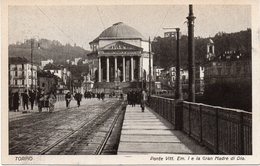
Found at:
[165, 48]
[46, 49]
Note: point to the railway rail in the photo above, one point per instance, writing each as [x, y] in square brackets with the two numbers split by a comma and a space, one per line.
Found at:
[79, 140]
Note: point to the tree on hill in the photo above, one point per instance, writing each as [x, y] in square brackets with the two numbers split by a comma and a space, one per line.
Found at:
[165, 48]
[48, 50]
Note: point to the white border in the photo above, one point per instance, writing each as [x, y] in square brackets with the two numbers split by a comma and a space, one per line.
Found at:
[135, 159]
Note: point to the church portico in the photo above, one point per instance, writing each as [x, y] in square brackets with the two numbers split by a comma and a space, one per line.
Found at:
[122, 56]
[119, 68]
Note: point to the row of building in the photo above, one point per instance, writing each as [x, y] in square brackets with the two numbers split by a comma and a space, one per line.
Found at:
[23, 75]
[231, 66]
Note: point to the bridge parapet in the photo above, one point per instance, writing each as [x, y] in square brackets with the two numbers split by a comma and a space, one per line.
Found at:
[222, 130]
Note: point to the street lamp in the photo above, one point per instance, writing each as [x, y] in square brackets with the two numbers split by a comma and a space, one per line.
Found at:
[178, 90]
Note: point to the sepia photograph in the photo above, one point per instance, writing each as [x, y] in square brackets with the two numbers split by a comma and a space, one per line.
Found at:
[164, 81]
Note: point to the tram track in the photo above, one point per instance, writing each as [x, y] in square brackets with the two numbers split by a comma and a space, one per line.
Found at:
[71, 142]
[103, 144]
[32, 135]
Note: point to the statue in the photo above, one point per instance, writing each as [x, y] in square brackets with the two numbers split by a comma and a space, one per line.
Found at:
[88, 77]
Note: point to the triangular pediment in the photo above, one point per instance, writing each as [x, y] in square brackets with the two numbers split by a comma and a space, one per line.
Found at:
[119, 45]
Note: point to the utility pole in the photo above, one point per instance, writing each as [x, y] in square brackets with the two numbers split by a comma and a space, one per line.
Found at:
[32, 43]
[191, 54]
[150, 75]
[178, 92]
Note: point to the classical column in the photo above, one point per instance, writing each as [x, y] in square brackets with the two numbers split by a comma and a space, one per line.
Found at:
[107, 69]
[132, 69]
[115, 68]
[99, 69]
[140, 69]
[123, 69]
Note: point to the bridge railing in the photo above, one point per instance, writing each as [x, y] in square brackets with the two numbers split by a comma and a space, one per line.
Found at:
[222, 130]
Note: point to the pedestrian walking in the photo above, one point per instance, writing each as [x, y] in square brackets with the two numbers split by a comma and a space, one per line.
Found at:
[25, 98]
[85, 94]
[128, 98]
[98, 96]
[68, 99]
[102, 96]
[52, 101]
[78, 97]
[32, 98]
[16, 101]
[143, 100]
[134, 98]
[40, 100]
[10, 95]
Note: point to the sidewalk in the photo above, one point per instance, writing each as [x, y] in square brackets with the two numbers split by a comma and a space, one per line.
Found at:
[146, 132]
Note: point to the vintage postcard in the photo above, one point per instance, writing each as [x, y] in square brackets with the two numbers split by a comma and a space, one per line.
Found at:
[130, 82]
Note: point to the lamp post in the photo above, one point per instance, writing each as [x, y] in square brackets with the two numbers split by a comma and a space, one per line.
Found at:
[178, 90]
[191, 55]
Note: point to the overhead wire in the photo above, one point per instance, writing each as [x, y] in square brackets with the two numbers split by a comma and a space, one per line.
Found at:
[160, 27]
[61, 30]
[100, 17]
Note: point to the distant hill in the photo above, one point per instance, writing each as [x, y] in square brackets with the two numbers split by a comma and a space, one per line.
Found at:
[47, 50]
[165, 48]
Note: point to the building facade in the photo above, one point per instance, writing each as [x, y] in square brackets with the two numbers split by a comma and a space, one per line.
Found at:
[120, 54]
[58, 70]
[22, 74]
[47, 81]
[44, 63]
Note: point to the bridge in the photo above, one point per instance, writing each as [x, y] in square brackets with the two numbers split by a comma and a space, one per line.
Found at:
[108, 126]
[181, 127]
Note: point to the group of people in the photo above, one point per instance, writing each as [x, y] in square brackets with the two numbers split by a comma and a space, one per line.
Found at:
[137, 97]
[16, 98]
[89, 95]
[68, 97]
[46, 100]
[101, 96]
[78, 97]
[25, 97]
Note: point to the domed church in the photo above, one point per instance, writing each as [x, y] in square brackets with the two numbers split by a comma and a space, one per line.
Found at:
[120, 57]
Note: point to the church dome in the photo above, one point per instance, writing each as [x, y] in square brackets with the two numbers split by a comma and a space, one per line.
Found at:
[120, 30]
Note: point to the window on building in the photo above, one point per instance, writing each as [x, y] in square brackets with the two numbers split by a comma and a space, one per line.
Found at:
[43, 84]
[22, 82]
[16, 73]
[15, 82]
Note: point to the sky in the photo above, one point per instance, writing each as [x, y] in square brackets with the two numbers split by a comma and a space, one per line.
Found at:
[81, 24]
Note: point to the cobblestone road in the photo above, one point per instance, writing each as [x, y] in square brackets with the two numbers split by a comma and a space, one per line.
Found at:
[35, 132]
